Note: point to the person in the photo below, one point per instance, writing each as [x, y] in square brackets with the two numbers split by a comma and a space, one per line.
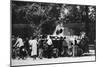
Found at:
[40, 48]
[77, 51]
[49, 42]
[30, 46]
[26, 44]
[19, 44]
[33, 43]
[13, 40]
[84, 43]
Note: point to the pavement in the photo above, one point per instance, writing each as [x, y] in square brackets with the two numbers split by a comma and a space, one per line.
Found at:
[29, 61]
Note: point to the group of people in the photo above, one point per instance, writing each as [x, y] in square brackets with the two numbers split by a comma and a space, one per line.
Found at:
[49, 46]
[23, 47]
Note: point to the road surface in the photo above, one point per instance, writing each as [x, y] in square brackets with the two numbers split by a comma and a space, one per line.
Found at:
[30, 61]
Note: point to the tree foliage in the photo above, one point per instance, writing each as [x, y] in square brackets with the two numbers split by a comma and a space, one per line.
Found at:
[39, 15]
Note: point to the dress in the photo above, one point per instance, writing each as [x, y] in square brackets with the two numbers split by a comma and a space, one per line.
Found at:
[33, 43]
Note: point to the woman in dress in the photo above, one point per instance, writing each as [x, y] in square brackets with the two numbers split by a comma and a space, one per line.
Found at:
[33, 43]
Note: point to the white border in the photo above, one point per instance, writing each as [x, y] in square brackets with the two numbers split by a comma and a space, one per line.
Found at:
[5, 34]
[81, 2]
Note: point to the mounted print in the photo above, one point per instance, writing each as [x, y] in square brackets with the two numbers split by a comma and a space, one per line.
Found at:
[52, 33]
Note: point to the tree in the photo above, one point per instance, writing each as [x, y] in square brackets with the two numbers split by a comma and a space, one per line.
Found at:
[41, 16]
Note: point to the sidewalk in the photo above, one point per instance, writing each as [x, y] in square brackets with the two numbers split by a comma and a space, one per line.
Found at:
[30, 61]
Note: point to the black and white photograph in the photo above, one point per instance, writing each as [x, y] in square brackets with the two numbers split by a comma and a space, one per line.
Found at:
[52, 33]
